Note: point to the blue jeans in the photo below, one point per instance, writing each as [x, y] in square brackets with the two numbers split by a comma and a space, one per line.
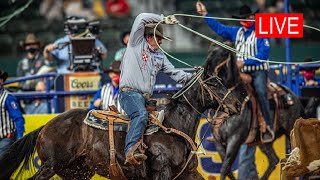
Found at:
[134, 104]
[5, 143]
[247, 167]
[260, 86]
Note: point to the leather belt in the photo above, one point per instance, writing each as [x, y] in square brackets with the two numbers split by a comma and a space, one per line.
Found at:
[146, 95]
[129, 89]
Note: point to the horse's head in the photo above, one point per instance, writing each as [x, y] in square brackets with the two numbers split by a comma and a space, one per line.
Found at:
[222, 63]
[224, 95]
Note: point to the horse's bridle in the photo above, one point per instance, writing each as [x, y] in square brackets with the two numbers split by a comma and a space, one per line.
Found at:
[213, 94]
[225, 62]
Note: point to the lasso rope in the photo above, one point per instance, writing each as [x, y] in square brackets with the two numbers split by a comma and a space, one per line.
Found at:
[226, 46]
[7, 18]
[155, 39]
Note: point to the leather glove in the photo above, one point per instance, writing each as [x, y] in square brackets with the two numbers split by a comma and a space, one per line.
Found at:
[196, 68]
[171, 19]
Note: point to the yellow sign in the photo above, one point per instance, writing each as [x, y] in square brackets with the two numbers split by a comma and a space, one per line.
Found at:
[80, 82]
[209, 164]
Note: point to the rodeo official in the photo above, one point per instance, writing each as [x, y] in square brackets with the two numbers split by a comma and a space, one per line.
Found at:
[12, 121]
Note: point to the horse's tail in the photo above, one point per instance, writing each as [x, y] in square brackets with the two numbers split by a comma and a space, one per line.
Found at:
[21, 150]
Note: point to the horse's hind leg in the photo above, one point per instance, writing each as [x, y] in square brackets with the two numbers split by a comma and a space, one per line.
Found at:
[45, 172]
[273, 159]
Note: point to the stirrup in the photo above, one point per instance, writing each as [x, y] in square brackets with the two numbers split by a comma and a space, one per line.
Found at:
[268, 130]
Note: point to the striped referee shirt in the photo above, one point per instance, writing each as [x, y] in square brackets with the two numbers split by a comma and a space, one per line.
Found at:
[6, 125]
[11, 118]
[108, 97]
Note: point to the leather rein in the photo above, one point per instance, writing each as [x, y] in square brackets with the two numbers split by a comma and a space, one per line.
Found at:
[213, 96]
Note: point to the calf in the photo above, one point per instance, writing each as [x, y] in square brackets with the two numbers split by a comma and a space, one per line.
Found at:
[305, 156]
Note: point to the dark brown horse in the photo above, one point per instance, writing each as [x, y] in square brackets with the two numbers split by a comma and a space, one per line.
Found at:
[235, 129]
[69, 148]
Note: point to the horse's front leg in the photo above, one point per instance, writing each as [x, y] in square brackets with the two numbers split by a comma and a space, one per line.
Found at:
[163, 174]
[230, 156]
[222, 152]
[45, 172]
[160, 167]
[273, 159]
[159, 160]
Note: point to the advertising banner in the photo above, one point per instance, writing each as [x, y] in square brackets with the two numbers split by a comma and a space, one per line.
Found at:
[209, 161]
[80, 82]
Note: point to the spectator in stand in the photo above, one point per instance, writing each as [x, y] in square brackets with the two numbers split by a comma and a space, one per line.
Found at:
[278, 7]
[98, 9]
[59, 50]
[52, 9]
[78, 8]
[261, 5]
[32, 62]
[124, 38]
[38, 106]
[12, 121]
[109, 93]
[118, 8]
[309, 74]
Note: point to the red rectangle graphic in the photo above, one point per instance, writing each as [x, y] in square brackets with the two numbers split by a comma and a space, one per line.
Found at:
[270, 25]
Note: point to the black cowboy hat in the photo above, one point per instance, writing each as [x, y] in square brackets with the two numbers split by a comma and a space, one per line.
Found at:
[3, 75]
[244, 12]
[149, 28]
[114, 67]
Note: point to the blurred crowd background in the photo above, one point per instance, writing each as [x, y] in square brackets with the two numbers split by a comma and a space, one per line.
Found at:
[46, 19]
